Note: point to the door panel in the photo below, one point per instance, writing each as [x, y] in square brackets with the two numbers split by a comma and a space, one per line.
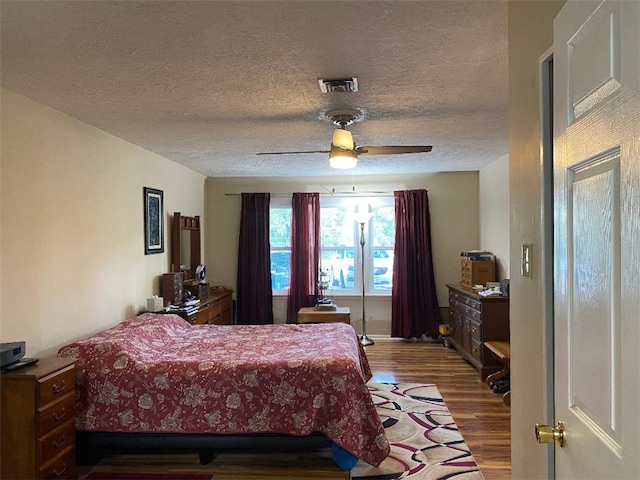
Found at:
[593, 319]
[597, 238]
[593, 56]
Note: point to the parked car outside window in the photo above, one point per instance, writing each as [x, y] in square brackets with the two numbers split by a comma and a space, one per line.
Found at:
[382, 268]
[339, 264]
[280, 270]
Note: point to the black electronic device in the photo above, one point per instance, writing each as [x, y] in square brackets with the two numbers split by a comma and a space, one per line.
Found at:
[11, 353]
[504, 287]
[23, 363]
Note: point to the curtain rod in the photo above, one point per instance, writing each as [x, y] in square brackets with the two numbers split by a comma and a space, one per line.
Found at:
[322, 194]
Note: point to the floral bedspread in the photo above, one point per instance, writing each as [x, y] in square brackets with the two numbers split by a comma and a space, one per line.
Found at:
[157, 373]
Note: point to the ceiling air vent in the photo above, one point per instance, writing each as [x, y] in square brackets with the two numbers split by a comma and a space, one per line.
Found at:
[347, 85]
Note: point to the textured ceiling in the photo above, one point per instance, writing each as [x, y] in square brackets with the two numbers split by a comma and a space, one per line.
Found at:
[208, 84]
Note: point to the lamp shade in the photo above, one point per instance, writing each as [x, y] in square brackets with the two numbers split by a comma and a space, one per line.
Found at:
[343, 139]
[362, 213]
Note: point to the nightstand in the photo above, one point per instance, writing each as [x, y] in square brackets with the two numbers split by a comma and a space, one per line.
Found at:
[38, 421]
[311, 315]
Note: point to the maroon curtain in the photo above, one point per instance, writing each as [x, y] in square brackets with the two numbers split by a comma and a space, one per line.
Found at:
[414, 304]
[305, 252]
[254, 296]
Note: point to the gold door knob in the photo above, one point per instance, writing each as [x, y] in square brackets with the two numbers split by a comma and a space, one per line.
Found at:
[548, 434]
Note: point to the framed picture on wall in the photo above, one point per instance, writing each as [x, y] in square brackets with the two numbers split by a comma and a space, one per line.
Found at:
[153, 221]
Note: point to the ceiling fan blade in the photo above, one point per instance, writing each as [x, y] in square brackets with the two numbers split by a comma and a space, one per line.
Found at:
[389, 150]
[292, 153]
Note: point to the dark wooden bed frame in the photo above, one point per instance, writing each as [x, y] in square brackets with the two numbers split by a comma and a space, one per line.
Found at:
[92, 446]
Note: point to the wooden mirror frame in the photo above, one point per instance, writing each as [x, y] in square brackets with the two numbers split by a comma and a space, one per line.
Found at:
[192, 225]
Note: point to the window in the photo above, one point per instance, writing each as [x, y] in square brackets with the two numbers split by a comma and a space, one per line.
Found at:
[382, 240]
[337, 252]
[341, 253]
[280, 240]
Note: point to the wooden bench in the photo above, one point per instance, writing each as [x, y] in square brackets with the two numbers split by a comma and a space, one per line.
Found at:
[502, 351]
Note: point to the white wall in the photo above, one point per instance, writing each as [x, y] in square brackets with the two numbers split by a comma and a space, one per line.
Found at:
[453, 203]
[72, 238]
[530, 35]
[494, 213]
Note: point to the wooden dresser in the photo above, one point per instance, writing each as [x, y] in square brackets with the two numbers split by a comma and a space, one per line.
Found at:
[38, 421]
[474, 320]
[217, 308]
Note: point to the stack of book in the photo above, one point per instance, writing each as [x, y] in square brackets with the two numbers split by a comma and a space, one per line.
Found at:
[326, 305]
[187, 308]
[477, 255]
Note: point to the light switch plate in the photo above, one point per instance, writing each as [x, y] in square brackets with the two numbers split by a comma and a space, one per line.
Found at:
[525, 260]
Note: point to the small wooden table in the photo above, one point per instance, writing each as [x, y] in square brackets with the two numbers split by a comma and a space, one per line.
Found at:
[502, 351]
[311, 315]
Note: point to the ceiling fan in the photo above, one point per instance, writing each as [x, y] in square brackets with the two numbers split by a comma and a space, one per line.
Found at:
[344, 152]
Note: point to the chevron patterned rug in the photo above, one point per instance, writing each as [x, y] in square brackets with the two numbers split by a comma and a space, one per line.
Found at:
[425, 441]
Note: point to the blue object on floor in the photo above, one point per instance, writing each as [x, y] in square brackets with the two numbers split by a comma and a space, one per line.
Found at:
[343, 459]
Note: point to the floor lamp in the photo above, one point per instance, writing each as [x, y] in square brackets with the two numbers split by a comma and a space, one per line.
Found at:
[362, 216]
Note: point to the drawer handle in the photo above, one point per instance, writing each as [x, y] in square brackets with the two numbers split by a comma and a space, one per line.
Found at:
[58, 389]
[60, 415]
[57, 472]
[58, 444]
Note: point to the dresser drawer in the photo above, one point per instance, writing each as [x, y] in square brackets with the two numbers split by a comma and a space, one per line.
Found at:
[471, 303]
[476, 349]
[466, 333]
[475, 330]
[201, 318]
[55, 414]
[226, 316]
[222, 319]
[55, 386]
[210, 313]
[475, 314]
[56, 441]
[215, 311]
[476, 305]
[453, 303]
[62, 466]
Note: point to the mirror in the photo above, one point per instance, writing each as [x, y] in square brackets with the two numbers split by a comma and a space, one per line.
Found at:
[185, 249]
[185, 244]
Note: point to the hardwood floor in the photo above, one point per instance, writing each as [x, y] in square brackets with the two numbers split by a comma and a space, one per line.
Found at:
[482, 417]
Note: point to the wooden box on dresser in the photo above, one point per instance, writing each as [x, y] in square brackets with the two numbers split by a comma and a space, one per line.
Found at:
[475, 319]
[38, 421]
[172, 287]
[477, 272]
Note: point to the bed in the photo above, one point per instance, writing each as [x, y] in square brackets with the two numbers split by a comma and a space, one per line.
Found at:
[156, 380]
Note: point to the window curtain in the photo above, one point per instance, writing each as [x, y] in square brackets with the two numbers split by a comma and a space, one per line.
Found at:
[414, 303]
[305, 252]
[254, 296]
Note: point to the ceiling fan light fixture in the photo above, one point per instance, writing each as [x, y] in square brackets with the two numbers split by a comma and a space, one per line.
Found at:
[343, 139]
[342, 159]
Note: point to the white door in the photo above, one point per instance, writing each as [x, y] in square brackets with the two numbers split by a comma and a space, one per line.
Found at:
[597, 238]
